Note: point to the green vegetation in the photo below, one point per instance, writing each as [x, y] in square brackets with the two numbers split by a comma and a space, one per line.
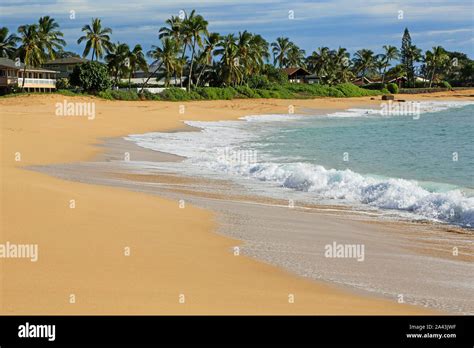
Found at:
[92, 77]
[288, 91]
[213, 66]
[392, 88]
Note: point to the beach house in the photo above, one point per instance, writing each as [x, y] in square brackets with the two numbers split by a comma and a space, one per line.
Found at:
[13, 75]
[296, 75]
[64, 66]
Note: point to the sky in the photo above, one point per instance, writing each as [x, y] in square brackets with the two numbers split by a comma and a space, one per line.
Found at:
[353, 24]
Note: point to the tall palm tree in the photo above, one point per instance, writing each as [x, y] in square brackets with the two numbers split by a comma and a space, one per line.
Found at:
[116, 60]
[339, 63]
[364, 62]
[50, 37]
[174, 30]
[243, 51]
[230, 68]
[97, 38]
[8, 43]
[210, 45]
[136, 60]
[31, 48]
[295, 56]
[165, 56]
[318, 62]
[391, 53]
[436, 59]
[280, 50]
[194, 27]
[258, 53]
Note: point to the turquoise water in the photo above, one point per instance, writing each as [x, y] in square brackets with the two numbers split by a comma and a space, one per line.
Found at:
[417, 167]
[423, 149]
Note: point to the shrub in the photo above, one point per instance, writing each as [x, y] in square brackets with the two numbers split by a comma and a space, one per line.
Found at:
[246, 92]
[91, 76]
[392, 88]
[62, 83]
[151, 96]
[174, 94]
[68, 92]
[275, 75]
[215, 93]
[375, 85]
[125, 95]
[444, 84]
[259, 81]
[351, 90]
[421, 84]
[263, 93]
[105, 94]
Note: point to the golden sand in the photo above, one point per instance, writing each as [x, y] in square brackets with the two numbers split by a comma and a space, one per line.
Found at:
[173, 251]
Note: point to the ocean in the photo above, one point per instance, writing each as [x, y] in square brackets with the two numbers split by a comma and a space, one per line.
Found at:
[415, 165]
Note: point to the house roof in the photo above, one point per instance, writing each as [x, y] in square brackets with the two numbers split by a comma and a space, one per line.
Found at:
[9, 63]
[68, 60]
[292, 71]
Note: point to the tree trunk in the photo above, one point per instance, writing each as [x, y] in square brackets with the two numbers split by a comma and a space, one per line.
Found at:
[191, 65]
[432, 75]
[200, 74]
[149, 77]
[24, 76]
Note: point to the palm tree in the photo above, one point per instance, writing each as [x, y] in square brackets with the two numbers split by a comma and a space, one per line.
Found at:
[50, 37]
[97, 38]
[116, 60]
[339, 66]
[243, 51]
[319, 61]
[166, 56]
[169, 57]
[173, 30]
[435, 59]
[194, 27]
[136, 60]
[7, 43]
[180, 64]
[391, 53]
[364, 62]
[211, 42]
[280, 50]
[31, 48]
[230, 69]
[295, 57]
[258, 53]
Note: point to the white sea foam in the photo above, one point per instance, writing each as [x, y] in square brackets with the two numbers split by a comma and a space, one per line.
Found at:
[203, 148]
[424, 107]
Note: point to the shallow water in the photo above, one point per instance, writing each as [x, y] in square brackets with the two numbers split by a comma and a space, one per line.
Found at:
[418, 166]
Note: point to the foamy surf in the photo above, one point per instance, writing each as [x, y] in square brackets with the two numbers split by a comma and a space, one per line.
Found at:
[275, 175]
[422, 107]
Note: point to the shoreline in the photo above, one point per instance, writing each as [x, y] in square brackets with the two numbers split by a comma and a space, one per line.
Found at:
[69, 141]
[405, 248]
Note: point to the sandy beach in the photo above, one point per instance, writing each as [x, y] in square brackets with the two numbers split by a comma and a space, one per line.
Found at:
[180, 260]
